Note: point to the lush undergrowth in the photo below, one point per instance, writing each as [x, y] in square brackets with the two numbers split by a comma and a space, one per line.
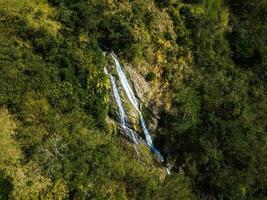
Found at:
[54, 98]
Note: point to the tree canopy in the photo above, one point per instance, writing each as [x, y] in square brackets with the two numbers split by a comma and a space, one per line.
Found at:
[57, 138]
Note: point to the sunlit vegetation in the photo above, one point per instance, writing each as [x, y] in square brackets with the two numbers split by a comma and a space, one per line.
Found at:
[54, 98]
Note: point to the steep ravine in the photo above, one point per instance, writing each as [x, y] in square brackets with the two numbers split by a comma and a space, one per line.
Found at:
[134, 105]
[155, 98]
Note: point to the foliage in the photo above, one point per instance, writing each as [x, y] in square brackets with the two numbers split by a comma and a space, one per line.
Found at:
[54, 86]
[217, 145]
[210, 56]
[176, 187]
[150, 76]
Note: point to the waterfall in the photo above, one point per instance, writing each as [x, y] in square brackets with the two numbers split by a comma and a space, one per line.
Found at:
[125, 83]
[122, 115]
[130, 94]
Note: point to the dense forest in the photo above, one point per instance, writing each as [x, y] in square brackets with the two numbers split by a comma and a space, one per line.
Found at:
[59, 138]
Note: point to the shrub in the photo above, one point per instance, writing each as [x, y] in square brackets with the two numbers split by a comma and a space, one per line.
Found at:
[150, 76]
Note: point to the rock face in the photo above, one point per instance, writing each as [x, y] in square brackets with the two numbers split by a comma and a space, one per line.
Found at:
[146, 96]
[149, 95]
[151, 100]
[142, 88]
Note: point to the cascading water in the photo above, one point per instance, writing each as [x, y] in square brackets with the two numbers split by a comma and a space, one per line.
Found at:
[122, 115]
[125, 83]
[130, 94]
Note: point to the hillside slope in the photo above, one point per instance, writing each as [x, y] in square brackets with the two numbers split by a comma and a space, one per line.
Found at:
[203, 67]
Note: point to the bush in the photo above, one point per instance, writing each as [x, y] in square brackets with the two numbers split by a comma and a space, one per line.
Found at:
[150, 76]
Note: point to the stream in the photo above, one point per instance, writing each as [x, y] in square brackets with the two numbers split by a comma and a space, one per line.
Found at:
[134, 102]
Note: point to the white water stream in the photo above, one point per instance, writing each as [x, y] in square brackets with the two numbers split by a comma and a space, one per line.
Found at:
[130, 94]
[122, 115]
